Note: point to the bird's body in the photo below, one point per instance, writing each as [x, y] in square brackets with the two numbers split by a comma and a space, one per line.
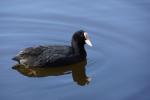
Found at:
[52, 55]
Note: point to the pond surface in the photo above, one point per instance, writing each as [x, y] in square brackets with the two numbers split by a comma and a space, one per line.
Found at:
[118, 65]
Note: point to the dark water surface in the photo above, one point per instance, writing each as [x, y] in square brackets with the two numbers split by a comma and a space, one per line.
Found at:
[118, 64]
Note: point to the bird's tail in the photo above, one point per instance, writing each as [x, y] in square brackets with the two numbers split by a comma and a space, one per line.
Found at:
[16, 59]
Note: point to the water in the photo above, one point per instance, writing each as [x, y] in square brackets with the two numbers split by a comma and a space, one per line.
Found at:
[118, 64]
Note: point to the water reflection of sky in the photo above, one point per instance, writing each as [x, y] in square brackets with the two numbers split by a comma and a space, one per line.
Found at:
[118, 63]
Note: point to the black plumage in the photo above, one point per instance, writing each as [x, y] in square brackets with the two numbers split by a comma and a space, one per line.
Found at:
[54, 55]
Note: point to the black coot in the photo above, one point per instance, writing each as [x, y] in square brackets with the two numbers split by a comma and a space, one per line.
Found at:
[56, 55]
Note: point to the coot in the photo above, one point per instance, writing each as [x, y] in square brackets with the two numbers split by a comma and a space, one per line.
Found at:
[55, 55]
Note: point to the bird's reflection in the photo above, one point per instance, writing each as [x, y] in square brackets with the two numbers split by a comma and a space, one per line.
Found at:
[78, 71]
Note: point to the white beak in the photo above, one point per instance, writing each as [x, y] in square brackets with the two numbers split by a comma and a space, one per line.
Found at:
[88, 42]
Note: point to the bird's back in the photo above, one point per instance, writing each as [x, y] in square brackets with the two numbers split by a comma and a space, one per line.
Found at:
[43, 55]
[53, 55]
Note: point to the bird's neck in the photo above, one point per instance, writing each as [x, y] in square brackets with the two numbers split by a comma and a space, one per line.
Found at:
[79, 49]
